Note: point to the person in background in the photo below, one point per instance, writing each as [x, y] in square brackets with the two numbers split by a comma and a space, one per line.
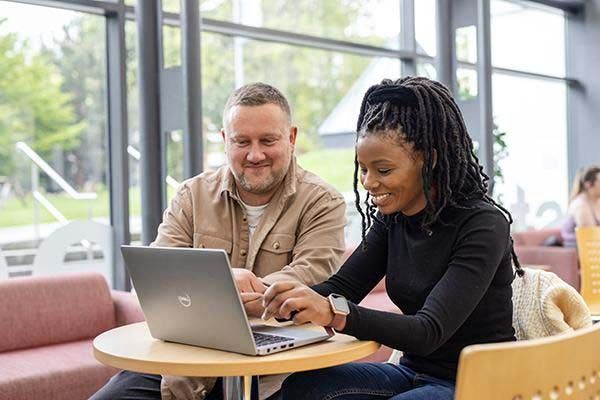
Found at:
[430, 228]
[275, 220]
[584, 204]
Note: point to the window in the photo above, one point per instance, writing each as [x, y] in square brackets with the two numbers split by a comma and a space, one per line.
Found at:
[52, 99]
[531, 112]
[516, 45]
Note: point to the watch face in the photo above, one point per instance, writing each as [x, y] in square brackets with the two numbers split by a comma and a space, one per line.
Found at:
[340, 304]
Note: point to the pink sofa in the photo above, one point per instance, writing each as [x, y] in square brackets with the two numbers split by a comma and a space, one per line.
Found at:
[48, 324]
[561, 260]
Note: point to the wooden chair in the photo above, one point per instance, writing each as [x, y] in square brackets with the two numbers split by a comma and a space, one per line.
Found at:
[588, 248]
[565, 366]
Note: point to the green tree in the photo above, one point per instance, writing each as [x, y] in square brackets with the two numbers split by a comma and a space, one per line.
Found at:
[79, 56]
[33, 108]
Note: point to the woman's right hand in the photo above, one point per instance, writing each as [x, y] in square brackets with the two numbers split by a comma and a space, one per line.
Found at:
[281, 299]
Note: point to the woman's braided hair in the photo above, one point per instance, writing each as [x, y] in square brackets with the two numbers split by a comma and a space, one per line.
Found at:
[422, 112]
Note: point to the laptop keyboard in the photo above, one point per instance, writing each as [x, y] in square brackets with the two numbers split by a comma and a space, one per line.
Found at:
[263, 340]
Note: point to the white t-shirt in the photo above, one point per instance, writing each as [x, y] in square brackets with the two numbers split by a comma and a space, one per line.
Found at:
[253, 213]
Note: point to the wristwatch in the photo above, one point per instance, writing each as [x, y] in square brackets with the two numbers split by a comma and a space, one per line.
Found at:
[339, 306]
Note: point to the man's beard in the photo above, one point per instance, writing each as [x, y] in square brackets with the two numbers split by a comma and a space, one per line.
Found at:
[266, 186]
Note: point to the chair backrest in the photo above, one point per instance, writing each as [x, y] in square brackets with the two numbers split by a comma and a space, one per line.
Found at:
[588, 247]
[50, 257]
[565, 366]
[3, 266]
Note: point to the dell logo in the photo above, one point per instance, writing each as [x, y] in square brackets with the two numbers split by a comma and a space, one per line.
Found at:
[185, 300]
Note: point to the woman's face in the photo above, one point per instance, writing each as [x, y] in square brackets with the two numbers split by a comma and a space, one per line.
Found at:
[593, 188]
[391, 173]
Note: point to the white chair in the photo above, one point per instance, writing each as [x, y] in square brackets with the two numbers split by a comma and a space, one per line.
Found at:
[50, 257]
[3, 267]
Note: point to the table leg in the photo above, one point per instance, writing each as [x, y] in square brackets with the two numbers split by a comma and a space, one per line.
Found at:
[237, 387]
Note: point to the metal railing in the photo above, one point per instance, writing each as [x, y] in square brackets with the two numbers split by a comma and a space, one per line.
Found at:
[40, 199]
[135, 153]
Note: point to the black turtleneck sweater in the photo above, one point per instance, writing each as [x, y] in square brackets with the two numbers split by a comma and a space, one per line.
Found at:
[453, 285]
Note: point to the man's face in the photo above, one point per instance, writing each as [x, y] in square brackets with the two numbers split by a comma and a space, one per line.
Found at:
[259, 143]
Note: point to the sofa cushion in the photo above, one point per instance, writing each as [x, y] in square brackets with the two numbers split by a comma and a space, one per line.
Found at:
[561, 260]
[65, 371]
[534, 237]
[39, 311]
[379, 301]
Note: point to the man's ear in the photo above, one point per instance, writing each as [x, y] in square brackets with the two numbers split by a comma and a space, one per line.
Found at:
[293, 134]
[223, 134]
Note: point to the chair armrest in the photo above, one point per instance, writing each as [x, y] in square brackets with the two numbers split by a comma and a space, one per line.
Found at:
[127, 308]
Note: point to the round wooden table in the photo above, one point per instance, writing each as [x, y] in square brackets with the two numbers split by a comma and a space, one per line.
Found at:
[131, 347]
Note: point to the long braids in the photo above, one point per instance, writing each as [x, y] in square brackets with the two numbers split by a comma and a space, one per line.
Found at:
[422, 112]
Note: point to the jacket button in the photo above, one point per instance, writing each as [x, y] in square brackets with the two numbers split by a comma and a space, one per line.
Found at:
[244, 218]
[243, 252]
[276, 245]
[200, 245]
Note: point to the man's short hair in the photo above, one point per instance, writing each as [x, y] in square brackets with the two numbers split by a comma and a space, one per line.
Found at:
[256, 94]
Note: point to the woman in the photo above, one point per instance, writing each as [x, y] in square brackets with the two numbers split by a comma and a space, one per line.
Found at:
[442, 244]
[584, 205]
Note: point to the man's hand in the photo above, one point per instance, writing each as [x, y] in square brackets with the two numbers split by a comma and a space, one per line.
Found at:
[247, 282]
[251, 291]
[253, 304]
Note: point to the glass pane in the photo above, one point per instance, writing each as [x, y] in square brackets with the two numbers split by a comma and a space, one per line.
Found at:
[375, 22]
[534, 165]
[52, 80]
[217, 9]
[426, 69]
[171, 46]
[466, 79]
[466, 44]
[135, 225]
[425, 12]
[516, 45]
[173, 6]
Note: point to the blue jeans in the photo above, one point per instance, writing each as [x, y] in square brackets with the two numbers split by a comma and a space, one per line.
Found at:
[127, 385]
[366, 381]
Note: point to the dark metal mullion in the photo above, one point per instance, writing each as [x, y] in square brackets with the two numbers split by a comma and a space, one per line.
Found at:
[164, 134]
[118, 158]
[523, 74]
[407, 37]
[574, 92]
[444, 44]
[484, 90]
[190, 60]
[570, 6]
[150, 132]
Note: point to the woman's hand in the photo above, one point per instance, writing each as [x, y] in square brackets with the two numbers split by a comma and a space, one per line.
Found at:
[283, 298]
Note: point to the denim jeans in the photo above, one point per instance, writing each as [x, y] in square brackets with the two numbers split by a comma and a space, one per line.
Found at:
[127, 385]
[366, 381]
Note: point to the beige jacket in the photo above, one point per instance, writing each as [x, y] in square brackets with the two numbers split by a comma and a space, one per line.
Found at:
[300, 236]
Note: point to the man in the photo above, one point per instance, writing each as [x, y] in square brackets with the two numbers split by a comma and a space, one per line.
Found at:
[274, 220]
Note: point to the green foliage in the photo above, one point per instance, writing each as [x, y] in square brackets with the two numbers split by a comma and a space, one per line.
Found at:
[33, 108]
[335, 166]
[500, 153]
[79, 57]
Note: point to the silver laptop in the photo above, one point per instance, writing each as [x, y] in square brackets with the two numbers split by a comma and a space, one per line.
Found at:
[189, 296]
